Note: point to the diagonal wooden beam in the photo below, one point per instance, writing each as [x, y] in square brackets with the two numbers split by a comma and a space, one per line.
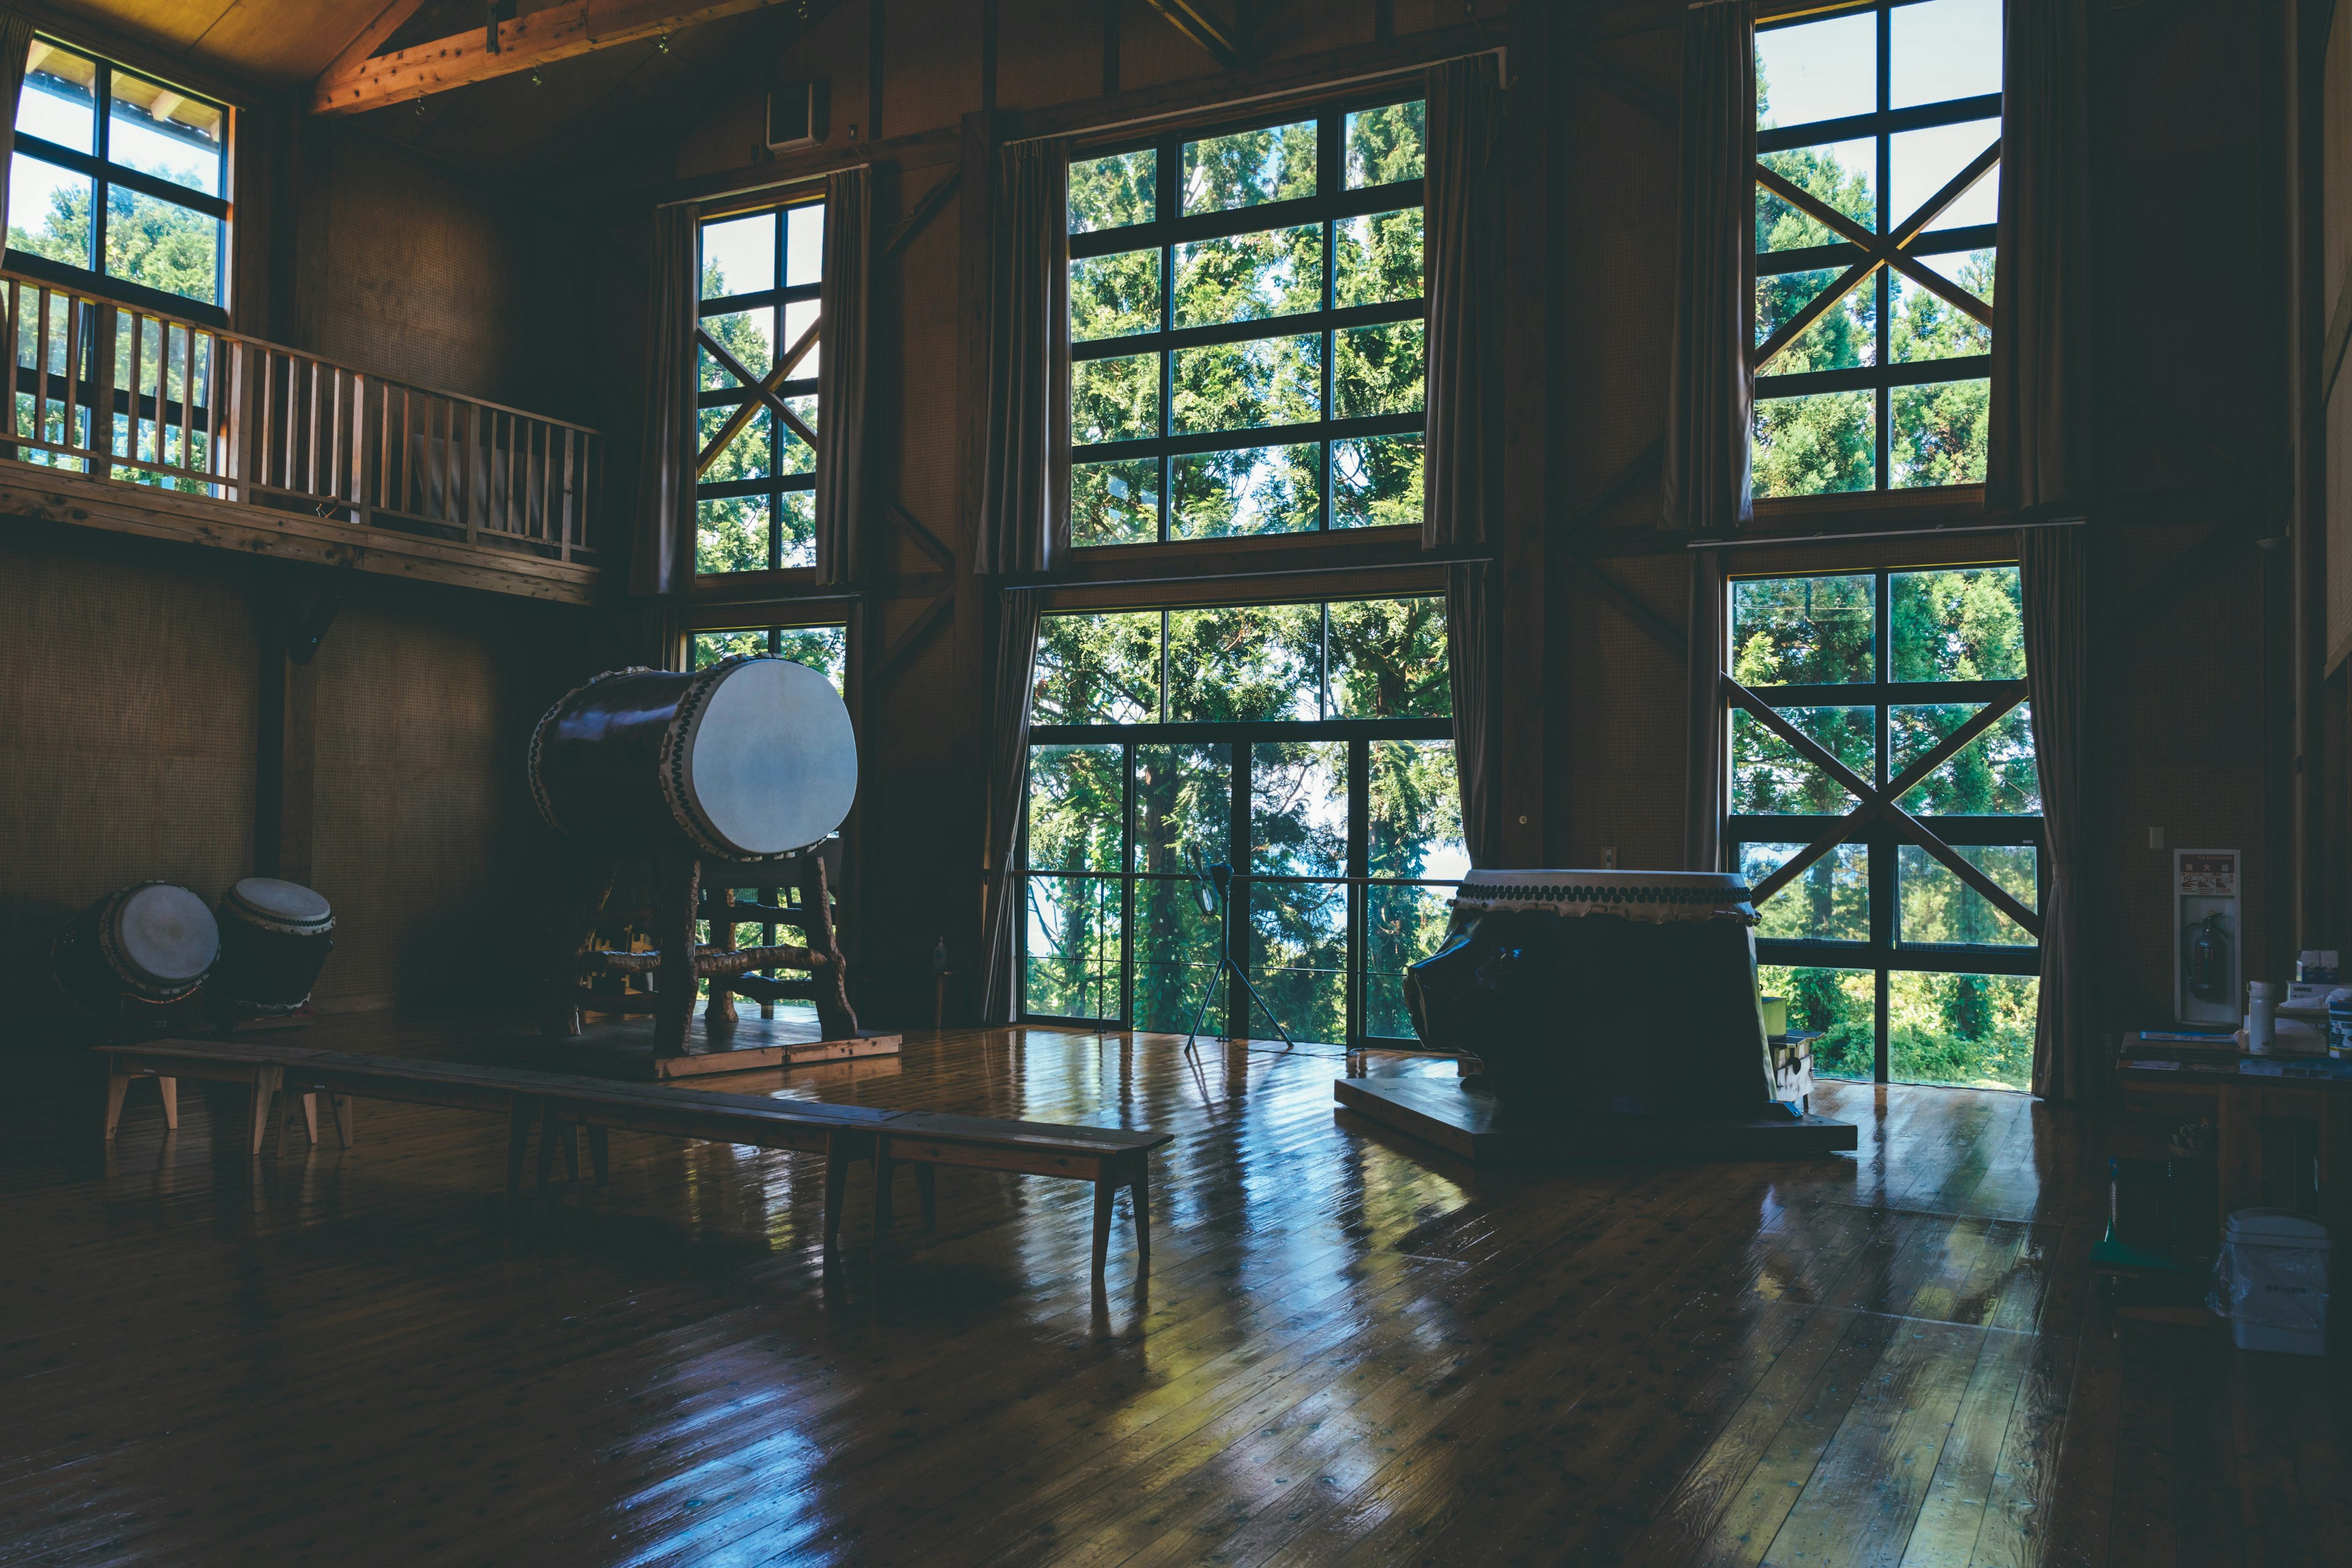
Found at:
[1818, 307]
[760, 391]
[1992, 892]
[1189, 19]
[1812, 751]
[1877, 249]
[556, 32]
[904, 645]
[1657, 105]
[925, 540]
[933, 199]
[1954, 189]
[370, 38]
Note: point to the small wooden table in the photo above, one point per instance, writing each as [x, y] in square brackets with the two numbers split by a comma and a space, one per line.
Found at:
[2247, 1108]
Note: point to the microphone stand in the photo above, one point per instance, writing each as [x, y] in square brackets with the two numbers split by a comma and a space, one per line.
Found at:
[1222, 875]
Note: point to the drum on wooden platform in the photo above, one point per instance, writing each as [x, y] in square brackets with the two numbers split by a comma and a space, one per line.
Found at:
[275, 936]
[152, 942]
[750, 758]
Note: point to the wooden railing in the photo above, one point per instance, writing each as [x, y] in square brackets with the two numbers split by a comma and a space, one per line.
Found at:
[206, 411]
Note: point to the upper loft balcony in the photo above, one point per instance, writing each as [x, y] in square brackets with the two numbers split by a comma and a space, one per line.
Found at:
[134, 421]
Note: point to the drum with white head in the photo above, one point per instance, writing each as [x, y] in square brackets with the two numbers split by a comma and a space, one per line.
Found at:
[274, 938]
[152, 942]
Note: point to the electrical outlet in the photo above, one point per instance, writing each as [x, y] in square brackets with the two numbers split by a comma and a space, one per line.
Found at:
[1608, 859]
[2155, 839]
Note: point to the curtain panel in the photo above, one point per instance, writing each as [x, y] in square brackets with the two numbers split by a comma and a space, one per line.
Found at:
[2054, 572]
[2039, 445]
[1473, 644]
[1024, 513]
[1462, 259]
[840, 375]
[16, 48]
[1709, 392]
[1011, 686]
[661, 555]
[1707, 751]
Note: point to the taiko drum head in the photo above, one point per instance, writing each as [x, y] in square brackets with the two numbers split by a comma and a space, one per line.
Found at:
[768, 759]
[276, 904]
[162, 939]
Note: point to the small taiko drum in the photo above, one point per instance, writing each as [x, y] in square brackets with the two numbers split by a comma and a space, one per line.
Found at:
[150, 943]
[274, 937]
[750, 759]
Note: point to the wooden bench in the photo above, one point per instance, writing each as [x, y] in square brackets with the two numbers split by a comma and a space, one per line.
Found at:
[557, 1103]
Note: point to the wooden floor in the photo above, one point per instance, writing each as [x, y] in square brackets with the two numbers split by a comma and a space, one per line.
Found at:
[1351, 1349]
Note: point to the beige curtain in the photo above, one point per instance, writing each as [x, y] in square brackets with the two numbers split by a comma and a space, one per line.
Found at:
[661, 558]
[1010, 689]
[1472, 651]
[2054, 568]
[1024, 514]
[1707, 759]
[15, 47]
[2038, 451]
[841, 376]
[1462, 259]
[1708, 392]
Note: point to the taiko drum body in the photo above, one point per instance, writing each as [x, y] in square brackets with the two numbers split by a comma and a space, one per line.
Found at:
[274, 938]
[150, 942]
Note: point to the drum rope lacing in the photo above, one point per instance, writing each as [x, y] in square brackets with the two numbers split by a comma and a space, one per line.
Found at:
[1655, 905]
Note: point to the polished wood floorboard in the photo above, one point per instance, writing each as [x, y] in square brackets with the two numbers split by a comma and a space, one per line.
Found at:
[1351, 1349]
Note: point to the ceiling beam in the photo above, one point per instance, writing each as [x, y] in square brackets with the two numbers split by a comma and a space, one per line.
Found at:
[555, 33]
[1195, 23]
[370, 38]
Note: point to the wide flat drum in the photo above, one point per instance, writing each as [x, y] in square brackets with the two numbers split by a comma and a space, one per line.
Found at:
[150, 943]
[750, 758]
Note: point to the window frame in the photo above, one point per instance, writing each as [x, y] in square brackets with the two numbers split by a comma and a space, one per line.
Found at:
[1882, 952]
[1888, 242]
[773, 487]
[104, 174]
[1240, 736]
[1334, 201]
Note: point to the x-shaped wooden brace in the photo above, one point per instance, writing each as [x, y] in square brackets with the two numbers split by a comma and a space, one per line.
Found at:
[1877, 803]
[762, 389]
[1886, 248]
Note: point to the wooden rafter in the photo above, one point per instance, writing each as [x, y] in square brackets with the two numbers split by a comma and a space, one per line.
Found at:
[1187, 18]
[523, 43]
[759, 390]
[370, 38]
[933, 199]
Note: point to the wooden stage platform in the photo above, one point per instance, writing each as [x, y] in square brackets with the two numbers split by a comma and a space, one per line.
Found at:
[1440, 1111]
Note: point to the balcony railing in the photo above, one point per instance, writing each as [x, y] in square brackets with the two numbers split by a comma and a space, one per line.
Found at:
[129, 393]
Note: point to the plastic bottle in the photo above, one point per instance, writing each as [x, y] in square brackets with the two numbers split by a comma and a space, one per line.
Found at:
[2262, 1013]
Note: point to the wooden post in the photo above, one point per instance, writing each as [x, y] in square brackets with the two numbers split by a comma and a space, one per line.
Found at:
[836, 1019]
[588, 881]
[677, 876]
[721, 1007]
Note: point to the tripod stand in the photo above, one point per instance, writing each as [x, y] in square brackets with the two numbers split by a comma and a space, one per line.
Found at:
[1220, 902]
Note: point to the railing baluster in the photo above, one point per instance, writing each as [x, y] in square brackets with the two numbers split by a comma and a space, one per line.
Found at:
[73, 374]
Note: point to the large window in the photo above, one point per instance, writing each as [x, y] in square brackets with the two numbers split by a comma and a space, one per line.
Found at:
[122, 177]
[1886, 807]
[824, 649]
[1245, 331]
[1309, 746]
[757, 350]
[1878, 148]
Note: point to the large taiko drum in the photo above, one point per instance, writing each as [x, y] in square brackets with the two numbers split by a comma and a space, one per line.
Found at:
[274, 938]
[750, 759]
[1602, 992]
[150, 943]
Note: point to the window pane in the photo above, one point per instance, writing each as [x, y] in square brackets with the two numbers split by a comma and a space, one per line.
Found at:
[1248, 386]
[1276, 163]
[1840, 175]
[1376, 257]
[1822, 444]
[803, 244]
[1245, 661]
[1113, 399]
[747, 454]
[1994, 774]
[1943, 49]
[1975, 1030]
[1817, 70]
[1403, 925]
[1384, 144]
[1922, 324]
[1249, 277]
[748, 337]
[1097, 669]
[825, 650]
[1298, 958]
[1257, 490]
[1414, 828]
[1113, 192]
[1921, 162]
[1376, 481]
[1388, 660]
[796, 528]
[1839, 1005]
[794, 456]
[799, 316]
[1827, 901]
[1115, 503]
[163, 132]
[1809, 631]
[1184, 807]
[1841, 337]
[1074, 808]
[1176, 949]
[1937, 433]
[1112, 296]
[1377, 370]
[731, 536]
[1957, 623]
[739, 255]
[1299, 808]
[50, 213]
[59, 103]
[1781, 296]
[1937, 910]
[1768, 777]
[709, 647]
[1074, 946]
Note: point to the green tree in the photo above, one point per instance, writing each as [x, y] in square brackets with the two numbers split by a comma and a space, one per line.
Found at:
[731, 532]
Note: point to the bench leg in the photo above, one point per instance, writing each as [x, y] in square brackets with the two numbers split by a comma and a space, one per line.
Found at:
[117, 1084]
[310, 1118]
[518, 1119]
[599, 1154]
[265, 1091]
[342, 1104]
[1139, 1190]
[570, 1133]
[926, 1193]
[838, 1159]
[170, 1089]
[1106, 1185]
